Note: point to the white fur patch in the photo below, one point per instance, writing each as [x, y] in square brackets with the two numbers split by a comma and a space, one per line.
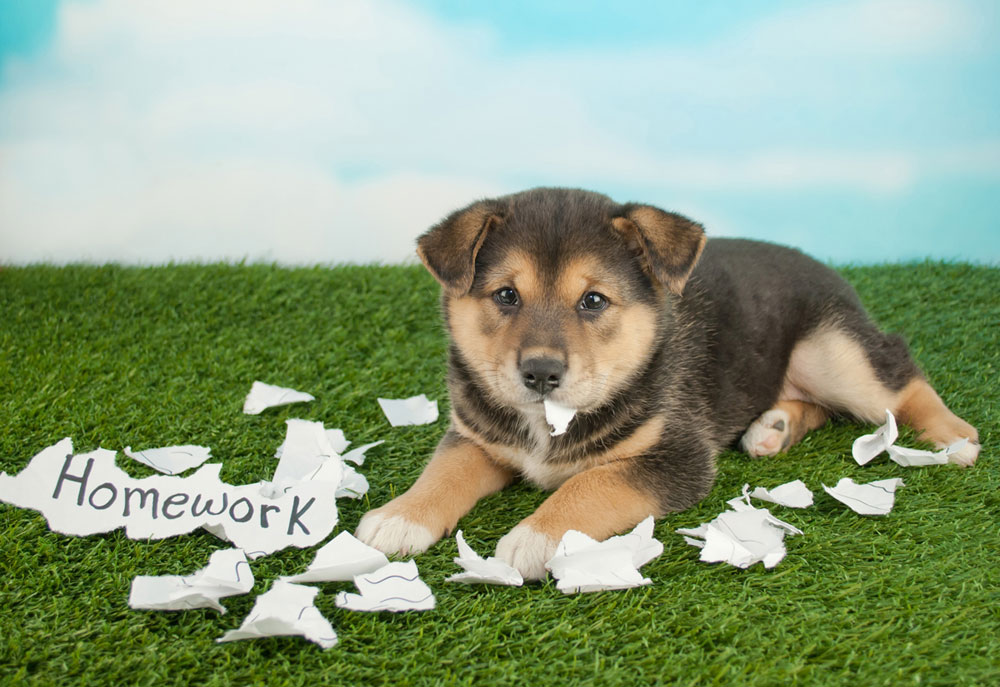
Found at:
[394, 534]
[761, 437]
[966, 456]
[527, 550]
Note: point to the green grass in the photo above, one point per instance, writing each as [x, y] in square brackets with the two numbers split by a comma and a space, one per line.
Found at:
[118, 356]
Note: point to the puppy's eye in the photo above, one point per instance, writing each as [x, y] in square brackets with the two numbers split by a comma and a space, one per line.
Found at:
[593, 301]
[506, 296]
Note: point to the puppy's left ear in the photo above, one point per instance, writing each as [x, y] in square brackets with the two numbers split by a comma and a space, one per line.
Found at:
[449, 249]
[668, 244]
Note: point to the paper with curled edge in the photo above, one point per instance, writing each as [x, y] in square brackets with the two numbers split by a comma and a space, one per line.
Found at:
[227, 574]
[394, 587]
[286, 609]
[794, 494]
[479, 570]
[873, 498]
[171, 460]
[416, 410]
[263, 396]
[868, 446]
[558, 416]
[582, 564]
[340, 560]
[741, 537]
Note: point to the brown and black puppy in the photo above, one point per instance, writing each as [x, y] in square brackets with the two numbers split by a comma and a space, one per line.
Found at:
[670, 347]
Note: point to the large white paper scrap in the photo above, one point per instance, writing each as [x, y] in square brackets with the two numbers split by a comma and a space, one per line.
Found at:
[794, 494]
[393, 587]
[263, 396]
[286, 609]
[88, 494]
[874, 498]
[340, 560]
[582, 564]
[558, 416]
[741, 537]
[171, 460]
[416, 410]
[868, 446]
[479, 570]
[227, 574]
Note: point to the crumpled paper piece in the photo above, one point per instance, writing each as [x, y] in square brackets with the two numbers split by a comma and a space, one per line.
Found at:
[416, 410]
[393, 587]
[227, 574]
[741, 537]
[558, 416]
[582, 564]
[340, 560]
[479, 570]
[883, 439]
[873, 498]
[171, 460]
[263, 396]
[285, 609]
[794, 494]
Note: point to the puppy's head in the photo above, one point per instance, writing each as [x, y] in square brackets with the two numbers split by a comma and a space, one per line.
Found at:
[559, 293]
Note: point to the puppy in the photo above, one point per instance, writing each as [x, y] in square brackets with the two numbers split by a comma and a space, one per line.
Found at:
[670, 348]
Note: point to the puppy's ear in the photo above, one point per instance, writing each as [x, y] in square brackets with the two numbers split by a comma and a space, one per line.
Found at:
[449, 249]
[668, 245]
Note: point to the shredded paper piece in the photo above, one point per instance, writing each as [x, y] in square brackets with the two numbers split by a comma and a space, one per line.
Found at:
[88, 494]
[741, 537]
[227, 574]
[582, 564]
[479, 570]
[341, 560]
[874, 498]
[558, 416]
[171, 460]
[793, 494]
[883, 440]
[416, 410]
[263, 396]
[286, 609]
[393, 587]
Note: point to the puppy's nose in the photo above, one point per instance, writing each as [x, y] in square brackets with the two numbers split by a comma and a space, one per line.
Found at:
[542, 374]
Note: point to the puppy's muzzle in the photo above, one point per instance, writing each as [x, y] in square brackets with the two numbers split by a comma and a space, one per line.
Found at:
[542, 374]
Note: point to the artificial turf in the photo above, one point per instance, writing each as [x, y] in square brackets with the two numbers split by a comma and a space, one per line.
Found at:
[115, 356]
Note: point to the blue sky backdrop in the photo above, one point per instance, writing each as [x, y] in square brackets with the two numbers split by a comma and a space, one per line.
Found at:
[309, 131]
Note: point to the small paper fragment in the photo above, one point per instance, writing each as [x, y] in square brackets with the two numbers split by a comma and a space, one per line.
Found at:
[912, 457]
[286, 609]
[306, 455]
[263, 396]
[741, 537]
[227, 574]
[794, 494]
[558, 416]
[874, 498]
[582, 564]
[416, 410]
[393, 587]
[340, 560]
[479, 570]
[866, 447]
[171, 460]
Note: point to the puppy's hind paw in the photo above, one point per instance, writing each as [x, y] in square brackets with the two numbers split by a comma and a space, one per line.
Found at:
[394, 534]
[527, 550]
[769, 435]
[966, 456]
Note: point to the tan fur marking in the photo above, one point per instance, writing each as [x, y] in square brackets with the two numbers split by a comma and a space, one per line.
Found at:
[920, 407]
[598, 502]
[803, 417]
[457, 476]
[517, 269]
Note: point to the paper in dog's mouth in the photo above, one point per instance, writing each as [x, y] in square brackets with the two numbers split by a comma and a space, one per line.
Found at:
[558, 416]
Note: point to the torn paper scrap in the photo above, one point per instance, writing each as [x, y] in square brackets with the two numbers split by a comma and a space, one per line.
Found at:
[357, 455]
[582, 564]
[868, 446]
[286, 609]
[479, 570]
[263, 396]
[393, 587]
[558, 416]
[912, 457]
[874, 498]
[741, 538]
[227, 574]
[88, 494]
[793, 494]
[171, 460]
[305, 453]
[340, 560]
[416, 410]
[353, 485]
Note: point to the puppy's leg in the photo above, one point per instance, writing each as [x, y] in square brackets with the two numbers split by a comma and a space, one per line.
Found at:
[919, 406]
[457, 476]
[782, 426]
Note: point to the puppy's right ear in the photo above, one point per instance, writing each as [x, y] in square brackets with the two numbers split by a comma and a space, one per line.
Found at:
[449, 249]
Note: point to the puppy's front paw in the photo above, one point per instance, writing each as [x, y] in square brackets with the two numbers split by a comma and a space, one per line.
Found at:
[768, 435]
[394, 534]
[528, 550]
